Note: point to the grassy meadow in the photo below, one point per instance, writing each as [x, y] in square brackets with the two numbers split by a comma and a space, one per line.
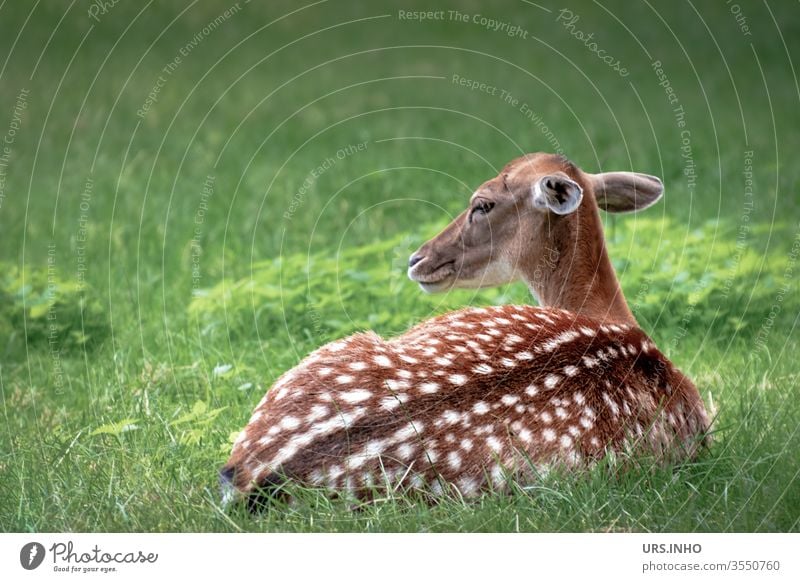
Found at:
[195, 195]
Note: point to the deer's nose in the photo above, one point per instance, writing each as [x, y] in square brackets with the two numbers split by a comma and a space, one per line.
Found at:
[414, 260]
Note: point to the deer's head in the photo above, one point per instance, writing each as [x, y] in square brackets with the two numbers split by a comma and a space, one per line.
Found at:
[539, 212]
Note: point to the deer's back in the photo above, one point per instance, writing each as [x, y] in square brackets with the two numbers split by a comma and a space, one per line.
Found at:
[470, 398]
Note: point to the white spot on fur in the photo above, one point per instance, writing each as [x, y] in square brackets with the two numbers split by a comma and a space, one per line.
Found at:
[409, 430]
[317, 412]
[560, 339]
[480, 407]
[552, 380]
[405, 450]
[570, 371]
[355, 396]
[392, 402]
[395, 385]
[498, 478]
[467, 486]
[482, 369]
[290, 422]
[337, 346]
[382, 360]
[454, 460]
[509, 399]
[494, 444]
[612, 406]
[451, 416]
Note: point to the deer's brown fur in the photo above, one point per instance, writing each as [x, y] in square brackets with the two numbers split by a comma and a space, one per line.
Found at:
[477, 397]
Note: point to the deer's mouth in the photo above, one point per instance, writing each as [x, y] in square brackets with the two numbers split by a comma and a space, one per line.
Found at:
[433, 280]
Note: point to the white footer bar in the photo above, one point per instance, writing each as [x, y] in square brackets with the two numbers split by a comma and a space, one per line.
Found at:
[401, 557]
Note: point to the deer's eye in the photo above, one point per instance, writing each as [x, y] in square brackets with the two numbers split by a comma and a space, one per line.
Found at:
[482, 207]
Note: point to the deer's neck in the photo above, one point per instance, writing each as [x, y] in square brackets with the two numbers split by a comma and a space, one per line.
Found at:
[575, 273]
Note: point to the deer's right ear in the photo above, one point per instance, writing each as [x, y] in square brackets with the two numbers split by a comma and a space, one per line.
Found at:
[626, 191]
[557, 193]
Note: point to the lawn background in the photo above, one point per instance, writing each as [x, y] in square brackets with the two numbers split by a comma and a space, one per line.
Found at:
[160, 268]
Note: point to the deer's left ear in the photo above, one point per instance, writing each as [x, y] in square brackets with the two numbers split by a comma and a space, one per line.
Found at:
[558, 193]
[626, 191]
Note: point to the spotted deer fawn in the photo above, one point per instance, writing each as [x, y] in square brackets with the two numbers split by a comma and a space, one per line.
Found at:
[485, 396]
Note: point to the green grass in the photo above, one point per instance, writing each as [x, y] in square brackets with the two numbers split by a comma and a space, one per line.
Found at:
[190, 304]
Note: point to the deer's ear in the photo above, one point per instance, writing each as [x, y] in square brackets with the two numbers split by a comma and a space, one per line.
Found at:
[626, 191]
[557, 193]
